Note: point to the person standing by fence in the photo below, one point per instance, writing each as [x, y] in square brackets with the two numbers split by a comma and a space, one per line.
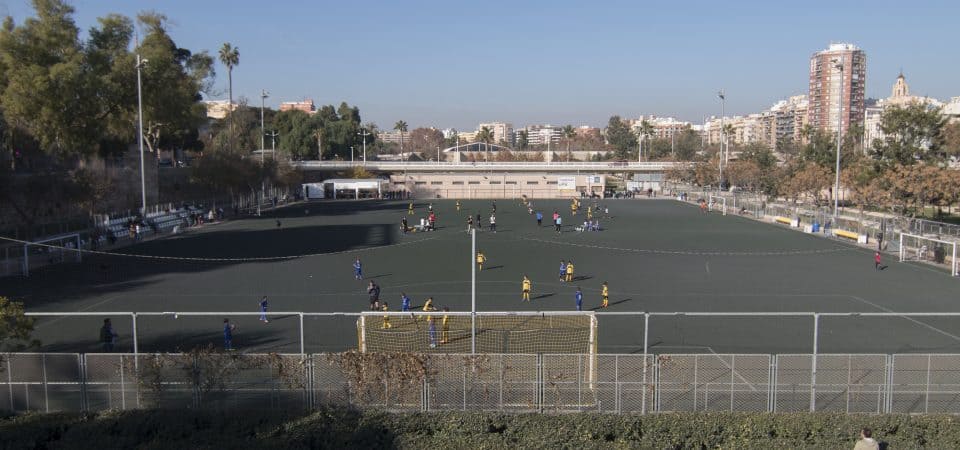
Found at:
[866, 441]
[108, 337]
[228, 329]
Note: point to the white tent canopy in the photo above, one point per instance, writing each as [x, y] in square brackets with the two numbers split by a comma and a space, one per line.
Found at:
[349, 184]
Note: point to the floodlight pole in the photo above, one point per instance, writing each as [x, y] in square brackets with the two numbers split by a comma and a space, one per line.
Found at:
[363, 132]
[723, 135]
[263, 97]
[143, 180]
[836, 187]
[473, 292]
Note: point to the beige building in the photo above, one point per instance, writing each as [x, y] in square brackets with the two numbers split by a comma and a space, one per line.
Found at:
[502, 132]
[218, 109]
[509, 185]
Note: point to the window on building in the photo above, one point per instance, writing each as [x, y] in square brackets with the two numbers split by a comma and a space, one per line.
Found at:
[473, 182]
[418, 183]
[551, 182]
[533, 182]
[436, 182]
[494, 182]
[458, 182]
[511, 182]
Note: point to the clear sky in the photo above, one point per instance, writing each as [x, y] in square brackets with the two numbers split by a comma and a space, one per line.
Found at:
[455, 63]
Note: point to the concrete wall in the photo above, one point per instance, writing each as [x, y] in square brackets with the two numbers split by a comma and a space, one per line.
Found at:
[466, 186]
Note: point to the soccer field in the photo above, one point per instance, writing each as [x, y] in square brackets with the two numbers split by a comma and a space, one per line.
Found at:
[658, 256]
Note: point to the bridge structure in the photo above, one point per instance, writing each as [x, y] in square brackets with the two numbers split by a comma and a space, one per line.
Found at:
[494, 167]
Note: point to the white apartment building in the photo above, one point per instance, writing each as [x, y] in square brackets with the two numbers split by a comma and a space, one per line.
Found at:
[542, 134]
[502, 132]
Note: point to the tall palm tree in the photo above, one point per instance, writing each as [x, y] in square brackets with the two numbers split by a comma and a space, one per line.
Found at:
[230, 57]
[318, 133]
[485, 135]
[400, 126]
[568, 134]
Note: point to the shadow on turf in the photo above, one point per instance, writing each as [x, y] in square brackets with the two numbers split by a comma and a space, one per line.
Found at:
[156, 261]
[597, 308]
[549, 294]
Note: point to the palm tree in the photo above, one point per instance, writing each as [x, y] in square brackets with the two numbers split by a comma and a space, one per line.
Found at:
[400, 126]
[318, 133]
[230, 57]
[568, 134]
[485, 135]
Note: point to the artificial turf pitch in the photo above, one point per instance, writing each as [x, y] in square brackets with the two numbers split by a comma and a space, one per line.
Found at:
[657, 256]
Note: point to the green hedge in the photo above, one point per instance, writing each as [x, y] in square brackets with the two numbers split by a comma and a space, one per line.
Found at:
[337, 428]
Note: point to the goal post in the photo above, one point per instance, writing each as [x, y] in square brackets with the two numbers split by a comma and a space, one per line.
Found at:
[717, 202]
[522, 332]
[51, 250]
[925, 249]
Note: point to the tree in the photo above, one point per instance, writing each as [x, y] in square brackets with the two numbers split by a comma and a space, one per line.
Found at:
[485, 135]
[425, 139]
[297, 133]
[400, 126]
[15, 327]
[911, 133]
[951, 140]
[808, 180]
[230, 57]
[620, 137]
[569, 133]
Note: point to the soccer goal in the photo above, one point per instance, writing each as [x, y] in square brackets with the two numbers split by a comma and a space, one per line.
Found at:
[488, 332]
[717, 203]
[929, 250]
[51, 250]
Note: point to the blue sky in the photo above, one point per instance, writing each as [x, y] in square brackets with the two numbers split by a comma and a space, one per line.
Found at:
[454, 64]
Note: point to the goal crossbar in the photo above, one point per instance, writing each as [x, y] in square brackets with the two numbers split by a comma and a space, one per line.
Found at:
[717, 202]
[55, 249]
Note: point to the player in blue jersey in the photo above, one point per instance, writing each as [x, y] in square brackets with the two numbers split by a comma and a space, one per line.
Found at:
[358, 269]
[579, 297]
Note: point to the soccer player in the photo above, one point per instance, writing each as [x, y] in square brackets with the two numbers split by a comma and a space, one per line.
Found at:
[605, 294]
[404, 302]
[107, 336]
[410, 209]
[403, 225]
[526, 289]
[494, 210]
[263, 309]
[374, 291]
[563, 270]
[469, 224]
[578, 296]
[386, 317]
[445, 326]
[479, 223]
[589, 213]
[481, 258]
[569, 271]
[228, 329]
[458, 205]
[876, 261]
[428, 305]
[358, 269]
[493, 223]
[539, 219]
[433, 221]
[559, 223]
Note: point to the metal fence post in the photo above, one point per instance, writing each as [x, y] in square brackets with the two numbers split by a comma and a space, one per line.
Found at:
[646, 335]
[813, 363]
[136, 346]
[302, 353]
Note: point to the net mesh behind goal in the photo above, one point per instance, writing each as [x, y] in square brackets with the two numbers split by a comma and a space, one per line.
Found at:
[495, 332]
[929, 250]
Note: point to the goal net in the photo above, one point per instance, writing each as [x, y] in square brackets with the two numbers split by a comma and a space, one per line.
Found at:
[52, 250]
[929, 250]
[717, 203]
[494, 332]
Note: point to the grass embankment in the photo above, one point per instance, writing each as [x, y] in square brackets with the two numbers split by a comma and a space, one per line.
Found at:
[344, 429]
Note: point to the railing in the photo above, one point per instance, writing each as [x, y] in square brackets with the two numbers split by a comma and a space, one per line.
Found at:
[850, 383]
[609, 166]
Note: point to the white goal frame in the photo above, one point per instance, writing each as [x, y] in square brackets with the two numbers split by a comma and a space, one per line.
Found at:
[920, 253]
[44, 243]
[712, 199]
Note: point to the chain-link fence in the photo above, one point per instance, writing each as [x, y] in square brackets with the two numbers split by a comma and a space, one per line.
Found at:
[849, 383]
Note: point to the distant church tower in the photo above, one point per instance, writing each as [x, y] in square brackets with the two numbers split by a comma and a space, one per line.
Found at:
[900, 87]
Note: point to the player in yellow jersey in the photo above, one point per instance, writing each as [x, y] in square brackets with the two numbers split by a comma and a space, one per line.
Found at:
[589, 213]
[605, 293]
[526, 289]
[481, 258]
[428, 305]
[410, 209]
[445, 327]
[569, 271]
[386, 317]
[458, 205]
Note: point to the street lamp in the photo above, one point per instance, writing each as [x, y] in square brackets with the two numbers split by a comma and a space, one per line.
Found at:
[351, 155]
[723, 134]
[143, 181]
[273, 143]
[363, 132]
[836, 188]
[263, 96]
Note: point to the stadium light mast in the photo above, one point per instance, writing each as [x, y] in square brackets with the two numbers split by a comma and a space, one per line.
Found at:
[143, 179]
[836, 188]
[363, 132]
[263, 96]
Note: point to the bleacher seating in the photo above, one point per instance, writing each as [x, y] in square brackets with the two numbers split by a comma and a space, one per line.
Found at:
[157, 222]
